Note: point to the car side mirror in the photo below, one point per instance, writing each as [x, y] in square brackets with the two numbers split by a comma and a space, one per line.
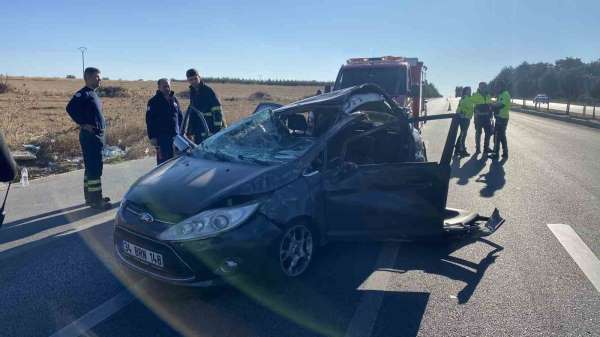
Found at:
[183, 144]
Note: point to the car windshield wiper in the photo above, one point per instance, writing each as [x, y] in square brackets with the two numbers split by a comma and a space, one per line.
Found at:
[221, 156]
[215, 155]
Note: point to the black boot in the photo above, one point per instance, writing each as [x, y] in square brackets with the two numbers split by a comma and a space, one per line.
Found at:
[102, 204]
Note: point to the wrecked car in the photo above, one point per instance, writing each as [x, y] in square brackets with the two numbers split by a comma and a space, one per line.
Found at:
[270, 190]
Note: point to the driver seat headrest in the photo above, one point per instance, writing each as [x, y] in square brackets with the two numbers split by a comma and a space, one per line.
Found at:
[297, 122]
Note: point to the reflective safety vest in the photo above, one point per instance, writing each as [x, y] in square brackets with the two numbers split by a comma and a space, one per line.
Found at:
[504, 99]
[478, 99]
[465, 107]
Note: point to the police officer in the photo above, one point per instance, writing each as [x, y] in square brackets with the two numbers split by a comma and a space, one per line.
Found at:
[163, 120]
[465, 110]
[503, 106]
[203, 103]
[85, 109]
[481, 101]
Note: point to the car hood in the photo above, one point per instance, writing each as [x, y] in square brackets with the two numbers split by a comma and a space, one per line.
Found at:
[187, 185]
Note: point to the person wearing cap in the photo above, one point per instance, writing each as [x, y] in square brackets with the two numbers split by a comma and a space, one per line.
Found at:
[204, 107]
[85, 109]
[163, 120]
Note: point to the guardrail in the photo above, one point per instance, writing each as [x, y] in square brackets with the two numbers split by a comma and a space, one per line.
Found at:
[582, 111]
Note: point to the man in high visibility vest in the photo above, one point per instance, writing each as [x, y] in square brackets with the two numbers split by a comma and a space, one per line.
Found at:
[465, 110]
[483, 117]
[503, 107]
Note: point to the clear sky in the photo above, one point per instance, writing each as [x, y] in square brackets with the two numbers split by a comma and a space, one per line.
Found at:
[461, 42]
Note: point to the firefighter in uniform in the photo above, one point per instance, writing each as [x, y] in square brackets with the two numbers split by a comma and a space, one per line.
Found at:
[204, 107]
[85, 108]
[503, 105]
[163, 120]
[481, 101]
[465, 110]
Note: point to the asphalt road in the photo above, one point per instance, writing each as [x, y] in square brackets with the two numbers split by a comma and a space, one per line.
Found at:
[58, 275]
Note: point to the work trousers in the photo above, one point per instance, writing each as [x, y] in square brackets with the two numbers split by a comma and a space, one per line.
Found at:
[91, 148]
[462, 137]
[483, 124]
[164, 150]
[500, 135]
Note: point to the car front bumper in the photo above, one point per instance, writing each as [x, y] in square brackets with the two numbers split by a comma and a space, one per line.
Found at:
[205, 262]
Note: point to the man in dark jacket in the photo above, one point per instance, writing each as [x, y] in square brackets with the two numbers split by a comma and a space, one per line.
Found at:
[204, 107]
[8, 167]
[85, 108]
[8, 172]
[163, 120]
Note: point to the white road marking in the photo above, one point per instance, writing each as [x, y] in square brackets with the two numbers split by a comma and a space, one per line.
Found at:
[579, 251]
[96, 316]
[366, 313]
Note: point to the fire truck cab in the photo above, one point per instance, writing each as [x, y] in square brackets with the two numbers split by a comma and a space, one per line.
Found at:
[400, 77]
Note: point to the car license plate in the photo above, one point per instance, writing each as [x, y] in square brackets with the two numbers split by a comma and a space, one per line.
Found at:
[143, 254]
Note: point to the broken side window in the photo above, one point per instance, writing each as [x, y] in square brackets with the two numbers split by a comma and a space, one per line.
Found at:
[363, 145]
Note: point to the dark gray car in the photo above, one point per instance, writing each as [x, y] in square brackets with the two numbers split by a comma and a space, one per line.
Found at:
[272, 188]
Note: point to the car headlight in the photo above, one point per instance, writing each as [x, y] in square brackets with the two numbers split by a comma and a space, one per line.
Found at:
[209, 223]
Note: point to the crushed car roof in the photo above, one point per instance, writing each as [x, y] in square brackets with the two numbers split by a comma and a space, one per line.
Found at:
[336, 98]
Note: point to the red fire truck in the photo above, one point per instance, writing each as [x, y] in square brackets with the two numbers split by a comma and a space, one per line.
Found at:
[400, 77]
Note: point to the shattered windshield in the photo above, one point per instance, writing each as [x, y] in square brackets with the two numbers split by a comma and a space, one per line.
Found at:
[265, 138]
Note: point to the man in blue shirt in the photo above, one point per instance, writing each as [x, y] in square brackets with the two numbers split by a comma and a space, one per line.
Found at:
[163, 120]
[85, 108]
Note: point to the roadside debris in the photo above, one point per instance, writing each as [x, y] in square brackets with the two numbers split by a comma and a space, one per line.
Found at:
[32, 148]
[21, 156]
[110, 152]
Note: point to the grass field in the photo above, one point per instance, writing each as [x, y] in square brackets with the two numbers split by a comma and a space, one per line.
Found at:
[33, 112]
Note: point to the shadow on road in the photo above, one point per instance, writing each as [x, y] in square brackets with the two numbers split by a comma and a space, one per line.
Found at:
[494, 179]
[470, 169]
[323, 301]
[32, 225]
[43, 215]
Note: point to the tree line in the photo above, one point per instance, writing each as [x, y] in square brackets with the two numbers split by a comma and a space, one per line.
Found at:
[430, 91]
[568, 79]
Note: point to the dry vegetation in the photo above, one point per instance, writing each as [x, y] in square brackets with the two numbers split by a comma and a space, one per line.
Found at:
[33, 112]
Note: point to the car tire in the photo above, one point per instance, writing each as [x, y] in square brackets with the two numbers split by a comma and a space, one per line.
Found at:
[293, 252]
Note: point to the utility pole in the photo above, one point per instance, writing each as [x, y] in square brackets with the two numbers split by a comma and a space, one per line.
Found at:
[82, 50]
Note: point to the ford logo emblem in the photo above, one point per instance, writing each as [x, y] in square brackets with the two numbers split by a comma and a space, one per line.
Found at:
[147, 217]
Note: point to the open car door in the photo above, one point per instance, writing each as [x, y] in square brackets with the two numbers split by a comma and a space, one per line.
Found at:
[373, 192]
